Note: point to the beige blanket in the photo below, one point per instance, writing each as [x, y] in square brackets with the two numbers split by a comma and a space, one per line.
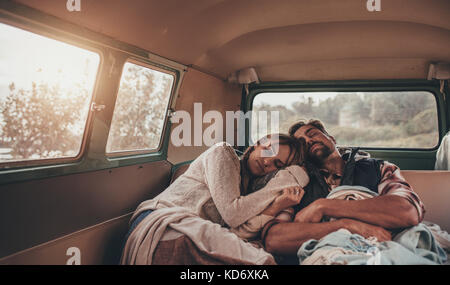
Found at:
[214, 243]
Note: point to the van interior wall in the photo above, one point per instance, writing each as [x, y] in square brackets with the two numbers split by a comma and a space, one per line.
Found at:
[31, 235]
[215, 95]
[37, 211]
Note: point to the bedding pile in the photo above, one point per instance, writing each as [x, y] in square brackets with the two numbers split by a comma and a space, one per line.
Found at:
[423, 244]
[413, 246]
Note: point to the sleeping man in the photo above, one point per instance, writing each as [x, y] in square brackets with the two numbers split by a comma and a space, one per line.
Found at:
[395, 207]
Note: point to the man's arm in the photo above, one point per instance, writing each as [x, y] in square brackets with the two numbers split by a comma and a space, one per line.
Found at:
[396, 207]
[388, 211]
[287, 238]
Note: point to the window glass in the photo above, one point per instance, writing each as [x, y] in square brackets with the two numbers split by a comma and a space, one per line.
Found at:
[141, 109]
[45, 92]
[368, 119]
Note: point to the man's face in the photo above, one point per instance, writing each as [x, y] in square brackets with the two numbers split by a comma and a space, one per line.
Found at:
[319, 145]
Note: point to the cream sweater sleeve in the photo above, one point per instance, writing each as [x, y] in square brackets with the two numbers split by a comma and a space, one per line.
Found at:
[251, 228]
[293, 174]
[222, 175]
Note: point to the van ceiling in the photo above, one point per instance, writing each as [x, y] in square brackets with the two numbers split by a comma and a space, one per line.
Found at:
[283, 39]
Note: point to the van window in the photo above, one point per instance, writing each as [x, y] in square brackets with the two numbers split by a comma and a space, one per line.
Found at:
[141, 109]
[46, 88]
[367, 119]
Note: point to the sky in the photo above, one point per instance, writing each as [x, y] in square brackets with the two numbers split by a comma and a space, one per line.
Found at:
[26, 57]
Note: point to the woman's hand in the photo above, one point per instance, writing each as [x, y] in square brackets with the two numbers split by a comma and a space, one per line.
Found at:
[288, 198]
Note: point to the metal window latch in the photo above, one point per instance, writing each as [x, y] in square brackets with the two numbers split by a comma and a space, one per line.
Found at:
[170, 113]
[97, 107]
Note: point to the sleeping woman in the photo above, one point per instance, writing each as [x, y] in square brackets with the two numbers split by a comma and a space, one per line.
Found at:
[214, 187]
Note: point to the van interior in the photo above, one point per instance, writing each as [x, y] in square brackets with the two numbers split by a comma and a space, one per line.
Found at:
[92, 92]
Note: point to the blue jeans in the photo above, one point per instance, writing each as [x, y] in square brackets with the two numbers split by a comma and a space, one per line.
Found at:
[135, 223]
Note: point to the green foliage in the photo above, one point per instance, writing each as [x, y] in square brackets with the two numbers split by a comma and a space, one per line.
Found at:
[42, 122]
[421, 123]
[140, 110]
[48, 122]
[359, 136]
[377, 119]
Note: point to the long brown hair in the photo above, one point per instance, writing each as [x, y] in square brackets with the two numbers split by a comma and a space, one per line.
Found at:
[296, 146]
[297, 154]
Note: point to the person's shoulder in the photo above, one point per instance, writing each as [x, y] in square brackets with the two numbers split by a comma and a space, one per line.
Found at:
[223, 149]
[387, 167]
[445, 141]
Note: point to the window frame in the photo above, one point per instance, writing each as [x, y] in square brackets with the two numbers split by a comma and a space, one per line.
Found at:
[156, 67]
[113, 54]
[356, 86]
[88, 124]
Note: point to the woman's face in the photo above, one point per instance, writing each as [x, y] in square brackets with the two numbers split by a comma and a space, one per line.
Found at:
[268, 156]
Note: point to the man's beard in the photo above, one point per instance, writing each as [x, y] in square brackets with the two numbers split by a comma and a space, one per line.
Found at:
[319, 159]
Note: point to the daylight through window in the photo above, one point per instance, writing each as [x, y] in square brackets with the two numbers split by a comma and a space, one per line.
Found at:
[141, 109]
[46, 88]
[405, 119]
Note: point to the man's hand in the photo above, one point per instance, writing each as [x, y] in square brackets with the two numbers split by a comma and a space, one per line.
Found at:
[366, 230]
[313, 213]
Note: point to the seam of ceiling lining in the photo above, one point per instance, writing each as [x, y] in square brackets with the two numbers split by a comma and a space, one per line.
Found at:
[246, 35]
[408, 25]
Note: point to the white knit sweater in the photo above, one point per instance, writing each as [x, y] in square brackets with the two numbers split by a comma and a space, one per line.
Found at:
[211, 188]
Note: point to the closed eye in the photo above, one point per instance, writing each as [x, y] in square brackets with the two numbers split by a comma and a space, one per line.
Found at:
[311, 132]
